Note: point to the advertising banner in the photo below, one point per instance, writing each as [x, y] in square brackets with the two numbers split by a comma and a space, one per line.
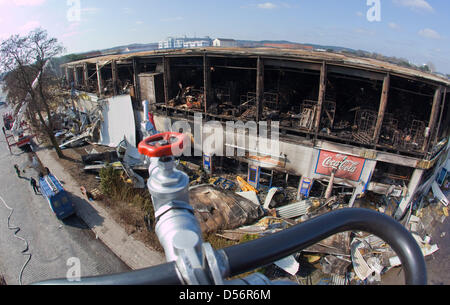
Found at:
[348, 167]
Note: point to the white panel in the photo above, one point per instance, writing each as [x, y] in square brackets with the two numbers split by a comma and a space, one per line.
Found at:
[118, 121]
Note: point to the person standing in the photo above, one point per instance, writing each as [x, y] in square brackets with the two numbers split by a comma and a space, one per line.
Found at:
[34, 185]
[16, 167]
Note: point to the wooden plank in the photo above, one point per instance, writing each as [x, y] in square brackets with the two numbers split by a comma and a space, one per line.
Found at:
[382, 109]
[259, 88]
[433, 118]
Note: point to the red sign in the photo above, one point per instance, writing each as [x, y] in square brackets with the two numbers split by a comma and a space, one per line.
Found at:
[347, 167]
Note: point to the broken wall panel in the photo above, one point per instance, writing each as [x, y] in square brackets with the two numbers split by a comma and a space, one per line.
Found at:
[151, 86]
[118, 121]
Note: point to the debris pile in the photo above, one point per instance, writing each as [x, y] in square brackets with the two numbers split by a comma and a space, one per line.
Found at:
[188, 98]
[345, 258]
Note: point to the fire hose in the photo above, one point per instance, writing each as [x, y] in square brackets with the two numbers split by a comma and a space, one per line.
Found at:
[16, 231]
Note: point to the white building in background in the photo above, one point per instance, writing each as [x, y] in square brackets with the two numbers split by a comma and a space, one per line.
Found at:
[223, 42]
[180, 43]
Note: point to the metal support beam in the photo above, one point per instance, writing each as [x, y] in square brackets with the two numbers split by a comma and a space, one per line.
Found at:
[206, 80]
[99, 80]
[75, 76]
[277, 63]
[441, 117]
[259, 88]
[382, 110]
[115, 76]
[86, 75]
[167, 80]
[355, 72]
[322, 91]
[67, 76]
[433, 118]
[136, 71]
[412, 187]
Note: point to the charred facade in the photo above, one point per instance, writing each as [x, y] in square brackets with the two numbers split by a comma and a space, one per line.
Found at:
[393, 121]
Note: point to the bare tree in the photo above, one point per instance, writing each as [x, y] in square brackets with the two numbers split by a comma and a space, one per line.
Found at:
[27, 60]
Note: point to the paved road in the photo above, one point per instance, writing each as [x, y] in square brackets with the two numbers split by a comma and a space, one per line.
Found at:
[51, 242]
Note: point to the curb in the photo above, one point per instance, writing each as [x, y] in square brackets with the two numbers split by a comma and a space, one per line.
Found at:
[131, 251]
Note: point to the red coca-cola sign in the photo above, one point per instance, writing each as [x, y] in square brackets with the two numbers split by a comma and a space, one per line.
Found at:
[347, 167]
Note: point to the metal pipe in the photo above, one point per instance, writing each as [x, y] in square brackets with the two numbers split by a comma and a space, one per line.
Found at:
[251, 255]
[330, 184]
[165, 274]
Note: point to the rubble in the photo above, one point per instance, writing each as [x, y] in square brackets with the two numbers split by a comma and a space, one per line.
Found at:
[188, 98]
[222, 209]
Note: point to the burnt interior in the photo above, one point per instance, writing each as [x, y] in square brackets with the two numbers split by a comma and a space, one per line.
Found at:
[389, 173]
[290, 95]
[407, 114]
[288, 92]
[232, 81]
[350, 108]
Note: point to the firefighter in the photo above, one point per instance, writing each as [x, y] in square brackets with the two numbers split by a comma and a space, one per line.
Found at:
[16, 167]
[34, 185]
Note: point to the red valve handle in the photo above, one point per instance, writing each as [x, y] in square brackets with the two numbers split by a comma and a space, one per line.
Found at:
[163, 144]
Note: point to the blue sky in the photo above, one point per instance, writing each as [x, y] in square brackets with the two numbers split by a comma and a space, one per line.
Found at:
[417, 30]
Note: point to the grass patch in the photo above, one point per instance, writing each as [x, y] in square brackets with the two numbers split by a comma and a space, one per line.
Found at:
[129, 205]
[115, 187]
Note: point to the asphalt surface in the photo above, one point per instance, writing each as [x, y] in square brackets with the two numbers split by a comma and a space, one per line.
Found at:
[51, 242]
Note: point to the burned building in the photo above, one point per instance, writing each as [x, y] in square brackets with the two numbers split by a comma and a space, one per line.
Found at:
[354, 124]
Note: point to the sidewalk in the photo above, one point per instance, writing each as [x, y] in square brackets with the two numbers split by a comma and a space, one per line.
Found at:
[132, 252]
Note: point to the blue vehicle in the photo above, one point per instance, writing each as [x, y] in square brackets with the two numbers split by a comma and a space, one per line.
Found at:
[57, 197]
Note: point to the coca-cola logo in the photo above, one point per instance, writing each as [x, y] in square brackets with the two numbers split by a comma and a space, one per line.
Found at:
[340, 165]
[344, 166]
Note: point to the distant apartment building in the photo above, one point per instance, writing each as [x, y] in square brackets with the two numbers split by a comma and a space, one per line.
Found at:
[180, 43]
[223, 42]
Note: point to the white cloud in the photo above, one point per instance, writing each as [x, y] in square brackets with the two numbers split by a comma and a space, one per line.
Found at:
[70, 34]
[172, 19]
[28, 2]
[267, 5]
[394, 26]
[90, 10]
[29, 26]
[429, 33]
[22, 2]
[417, 5]
[128, 10]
